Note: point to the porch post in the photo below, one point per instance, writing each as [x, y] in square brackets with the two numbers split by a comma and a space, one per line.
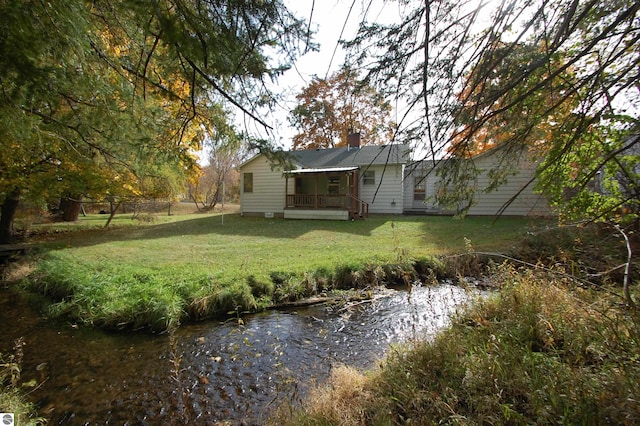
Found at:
[348, 204]
[356, 194]
[356, 180]
[286, 190]
[315, 199]
[350, 195]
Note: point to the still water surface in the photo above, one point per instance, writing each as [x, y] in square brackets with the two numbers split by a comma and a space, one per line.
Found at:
[210, 372]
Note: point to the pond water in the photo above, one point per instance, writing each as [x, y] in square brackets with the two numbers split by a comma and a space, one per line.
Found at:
[210, 372]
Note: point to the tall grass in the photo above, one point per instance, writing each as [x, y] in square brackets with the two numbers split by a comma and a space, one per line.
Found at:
[540, 351]
[127, 296]
[12, 399]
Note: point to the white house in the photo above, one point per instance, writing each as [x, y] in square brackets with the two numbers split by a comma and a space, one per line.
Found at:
[336, 183]
[353, 182]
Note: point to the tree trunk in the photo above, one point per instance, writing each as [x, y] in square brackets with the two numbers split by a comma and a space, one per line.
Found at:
[70, 206]
[113, 212]
[8, 212]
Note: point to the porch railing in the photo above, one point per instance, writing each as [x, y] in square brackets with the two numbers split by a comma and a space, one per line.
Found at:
[358, 207]
[313, 201]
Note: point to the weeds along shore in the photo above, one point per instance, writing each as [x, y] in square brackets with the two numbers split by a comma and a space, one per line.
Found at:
[159, 300]
[541, 350]
[556, 343]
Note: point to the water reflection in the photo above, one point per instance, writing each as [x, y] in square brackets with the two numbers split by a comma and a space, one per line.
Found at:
[210, 372]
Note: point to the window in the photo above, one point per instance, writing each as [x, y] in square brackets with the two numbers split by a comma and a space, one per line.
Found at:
[333, 185]
[247, 182]
[419, 187]
[369, 177]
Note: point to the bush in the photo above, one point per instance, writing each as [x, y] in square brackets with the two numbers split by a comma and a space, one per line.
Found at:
[224, 300]
[584, 251]
[344, 277]
[429, 269]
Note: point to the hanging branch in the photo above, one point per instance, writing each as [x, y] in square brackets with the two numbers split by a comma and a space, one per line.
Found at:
[224, 94]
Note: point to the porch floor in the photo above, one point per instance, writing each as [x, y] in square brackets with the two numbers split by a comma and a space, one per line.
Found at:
[323, 214]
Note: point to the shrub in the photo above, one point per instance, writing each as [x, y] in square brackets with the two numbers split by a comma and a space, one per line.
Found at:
[233, 298]
[346, 277]
[322, 277]
[292, 289]
[429, 270]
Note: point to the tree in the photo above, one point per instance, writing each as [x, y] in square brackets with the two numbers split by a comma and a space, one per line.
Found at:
[329, 109]
[548, 102]
[219, 174]
[102, 98]
[543, 74]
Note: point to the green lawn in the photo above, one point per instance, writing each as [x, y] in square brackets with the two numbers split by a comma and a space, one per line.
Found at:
[173, 267]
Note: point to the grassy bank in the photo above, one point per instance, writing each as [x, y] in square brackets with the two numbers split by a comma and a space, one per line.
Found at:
[167, 269]
[541, 351]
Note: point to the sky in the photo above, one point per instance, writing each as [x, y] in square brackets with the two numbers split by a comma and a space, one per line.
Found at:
[331, 20]
[327, 19]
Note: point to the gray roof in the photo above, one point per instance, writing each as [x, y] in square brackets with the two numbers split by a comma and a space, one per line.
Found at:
[368, 155]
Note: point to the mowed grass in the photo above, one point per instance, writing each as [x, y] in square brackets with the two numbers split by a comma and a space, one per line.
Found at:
[234, 247]
[169, 268]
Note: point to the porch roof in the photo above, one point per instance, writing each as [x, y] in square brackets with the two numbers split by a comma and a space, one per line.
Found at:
[321, 170]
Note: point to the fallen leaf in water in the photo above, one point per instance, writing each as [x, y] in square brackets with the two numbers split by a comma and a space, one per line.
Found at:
[30, 384]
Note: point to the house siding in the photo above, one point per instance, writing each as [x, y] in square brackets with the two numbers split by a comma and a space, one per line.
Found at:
[490, 203]
[393, 190]
[426, 171]
[268, 194]
[269, 188]
[527, 202]
[386, 196]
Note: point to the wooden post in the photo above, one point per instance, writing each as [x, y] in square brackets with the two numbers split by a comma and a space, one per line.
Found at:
[286, 190]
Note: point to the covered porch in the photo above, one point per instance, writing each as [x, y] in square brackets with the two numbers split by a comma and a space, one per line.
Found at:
[327, 193]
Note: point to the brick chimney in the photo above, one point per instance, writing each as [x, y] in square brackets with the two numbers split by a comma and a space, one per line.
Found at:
[353, 140]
